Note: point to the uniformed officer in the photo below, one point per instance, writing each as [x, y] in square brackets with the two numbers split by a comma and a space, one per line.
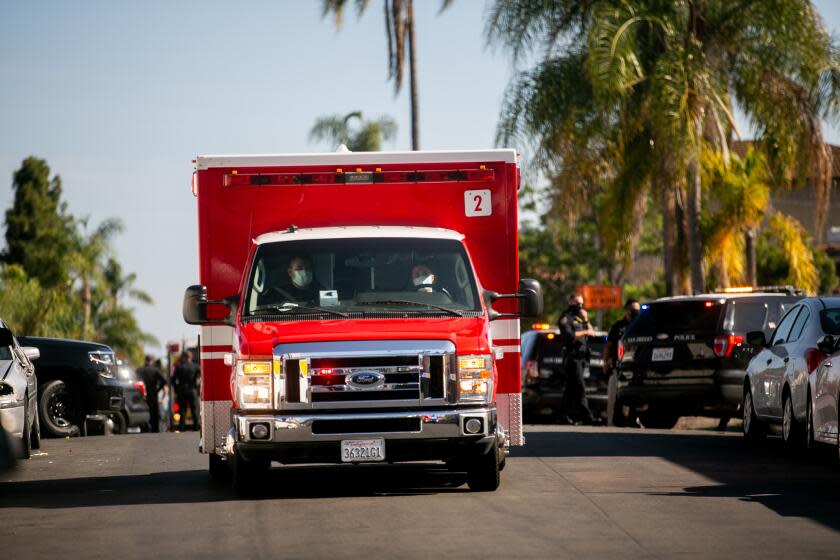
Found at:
[185, 380]
[574, 328]
[153, 378]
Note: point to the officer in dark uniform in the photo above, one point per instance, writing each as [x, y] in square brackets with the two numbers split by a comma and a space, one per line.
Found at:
[153, 378]
[185, 380]
[631, 311]
[574, 328]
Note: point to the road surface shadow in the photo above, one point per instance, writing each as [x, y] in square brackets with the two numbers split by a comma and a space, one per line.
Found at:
[791, 483]
[194, 486]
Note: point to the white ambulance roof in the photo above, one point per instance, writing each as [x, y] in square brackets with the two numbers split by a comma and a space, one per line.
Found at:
[354, 158]
[356, 232]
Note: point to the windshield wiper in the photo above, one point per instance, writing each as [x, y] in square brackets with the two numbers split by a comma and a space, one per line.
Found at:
[292, 308]
[414, 303]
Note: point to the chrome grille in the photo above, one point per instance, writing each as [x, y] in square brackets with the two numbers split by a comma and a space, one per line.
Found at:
[365, 374]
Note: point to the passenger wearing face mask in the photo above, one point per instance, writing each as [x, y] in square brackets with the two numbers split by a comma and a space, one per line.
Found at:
[574, 328]
[631, 311]
[302, 287]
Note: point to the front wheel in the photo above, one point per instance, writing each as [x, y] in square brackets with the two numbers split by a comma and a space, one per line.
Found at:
[247, 475]
[219, 468]
[25, 440]
[60, 409]
[35, 435]
[753, 428]
[483, 471]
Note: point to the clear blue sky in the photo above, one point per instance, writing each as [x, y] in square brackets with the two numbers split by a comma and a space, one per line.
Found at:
[120, 96]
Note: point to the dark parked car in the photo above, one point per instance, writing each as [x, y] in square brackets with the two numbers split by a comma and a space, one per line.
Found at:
[543, 376]
[687, 355]
[75, 379]
[135, 408]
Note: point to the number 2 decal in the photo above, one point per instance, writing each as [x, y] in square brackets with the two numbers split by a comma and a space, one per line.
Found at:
[477, 203]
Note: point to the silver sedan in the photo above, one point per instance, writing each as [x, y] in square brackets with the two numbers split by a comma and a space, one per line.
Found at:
[19, 393]
[778, 390]
[825, 383]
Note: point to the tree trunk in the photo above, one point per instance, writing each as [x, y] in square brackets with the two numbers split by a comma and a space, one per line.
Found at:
[749, 246]
[412, 71]
[669, 236]
[86, 303]
[695, 241]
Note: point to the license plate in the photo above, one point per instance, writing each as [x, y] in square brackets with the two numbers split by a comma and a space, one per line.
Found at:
[362, 450]
[662, 355]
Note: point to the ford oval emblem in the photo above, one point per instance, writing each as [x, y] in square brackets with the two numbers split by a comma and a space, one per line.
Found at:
[662, 336]
[365, 379]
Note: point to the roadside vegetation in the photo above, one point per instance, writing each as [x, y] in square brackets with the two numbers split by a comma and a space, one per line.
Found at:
[627, 114]
[59, 275]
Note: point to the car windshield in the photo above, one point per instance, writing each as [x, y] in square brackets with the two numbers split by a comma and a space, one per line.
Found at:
[694, 316]
[337, 276]
[830, 320]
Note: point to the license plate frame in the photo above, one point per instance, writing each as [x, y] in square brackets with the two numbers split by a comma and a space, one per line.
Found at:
[662, 354]
[368, 450]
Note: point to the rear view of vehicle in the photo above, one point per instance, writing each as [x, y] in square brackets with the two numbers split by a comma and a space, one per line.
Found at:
[685, 356]
[543, 376]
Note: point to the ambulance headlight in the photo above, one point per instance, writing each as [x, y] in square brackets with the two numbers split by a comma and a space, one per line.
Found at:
[254, 384]
[475, 378]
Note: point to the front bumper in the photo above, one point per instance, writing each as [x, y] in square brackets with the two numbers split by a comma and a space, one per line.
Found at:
[422, 434]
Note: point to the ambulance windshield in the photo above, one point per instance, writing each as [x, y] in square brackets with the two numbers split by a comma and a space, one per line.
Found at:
[362, 276]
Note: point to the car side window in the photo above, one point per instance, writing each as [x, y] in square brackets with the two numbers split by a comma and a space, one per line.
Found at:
[783, 330]
[799, 326]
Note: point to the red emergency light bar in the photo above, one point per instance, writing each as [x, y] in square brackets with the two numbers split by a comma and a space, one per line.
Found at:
[358, 177]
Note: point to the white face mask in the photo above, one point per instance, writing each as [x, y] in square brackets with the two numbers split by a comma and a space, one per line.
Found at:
[301, 278]
[424, 280]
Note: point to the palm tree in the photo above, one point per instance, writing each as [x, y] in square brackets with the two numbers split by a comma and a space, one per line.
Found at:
[402, 43]
[366, 137]
[86, 264]
[666, 74]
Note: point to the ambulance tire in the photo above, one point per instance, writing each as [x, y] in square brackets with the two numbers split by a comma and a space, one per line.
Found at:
[248, 476]
[483, 471]
[219, 468]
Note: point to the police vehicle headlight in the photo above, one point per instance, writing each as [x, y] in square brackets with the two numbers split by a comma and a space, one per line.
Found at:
[475, 378]
[253, 384]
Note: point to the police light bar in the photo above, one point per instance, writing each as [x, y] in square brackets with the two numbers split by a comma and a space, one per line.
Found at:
[541, 326]
[738, 290]
[357, 177]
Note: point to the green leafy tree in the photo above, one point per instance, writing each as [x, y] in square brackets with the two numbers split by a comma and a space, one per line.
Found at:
[654, 83]
[365, 136]
[38, 230]
[86, 261]
[402, 45]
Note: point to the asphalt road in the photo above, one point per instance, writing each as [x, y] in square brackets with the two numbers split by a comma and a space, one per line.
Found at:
[570, 493]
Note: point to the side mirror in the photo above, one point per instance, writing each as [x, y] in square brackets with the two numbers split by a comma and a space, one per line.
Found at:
[756, 339]
[195, 307]
[530, 301]
[6, 338]
[826, 344]
[531, 298]
[31, 352]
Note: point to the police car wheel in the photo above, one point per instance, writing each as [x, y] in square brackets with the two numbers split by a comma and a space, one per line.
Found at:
[483, 472]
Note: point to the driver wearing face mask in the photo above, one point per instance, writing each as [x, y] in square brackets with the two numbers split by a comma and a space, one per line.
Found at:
[302, 288]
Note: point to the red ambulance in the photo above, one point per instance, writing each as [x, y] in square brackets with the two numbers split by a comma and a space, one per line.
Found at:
[359, 307]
